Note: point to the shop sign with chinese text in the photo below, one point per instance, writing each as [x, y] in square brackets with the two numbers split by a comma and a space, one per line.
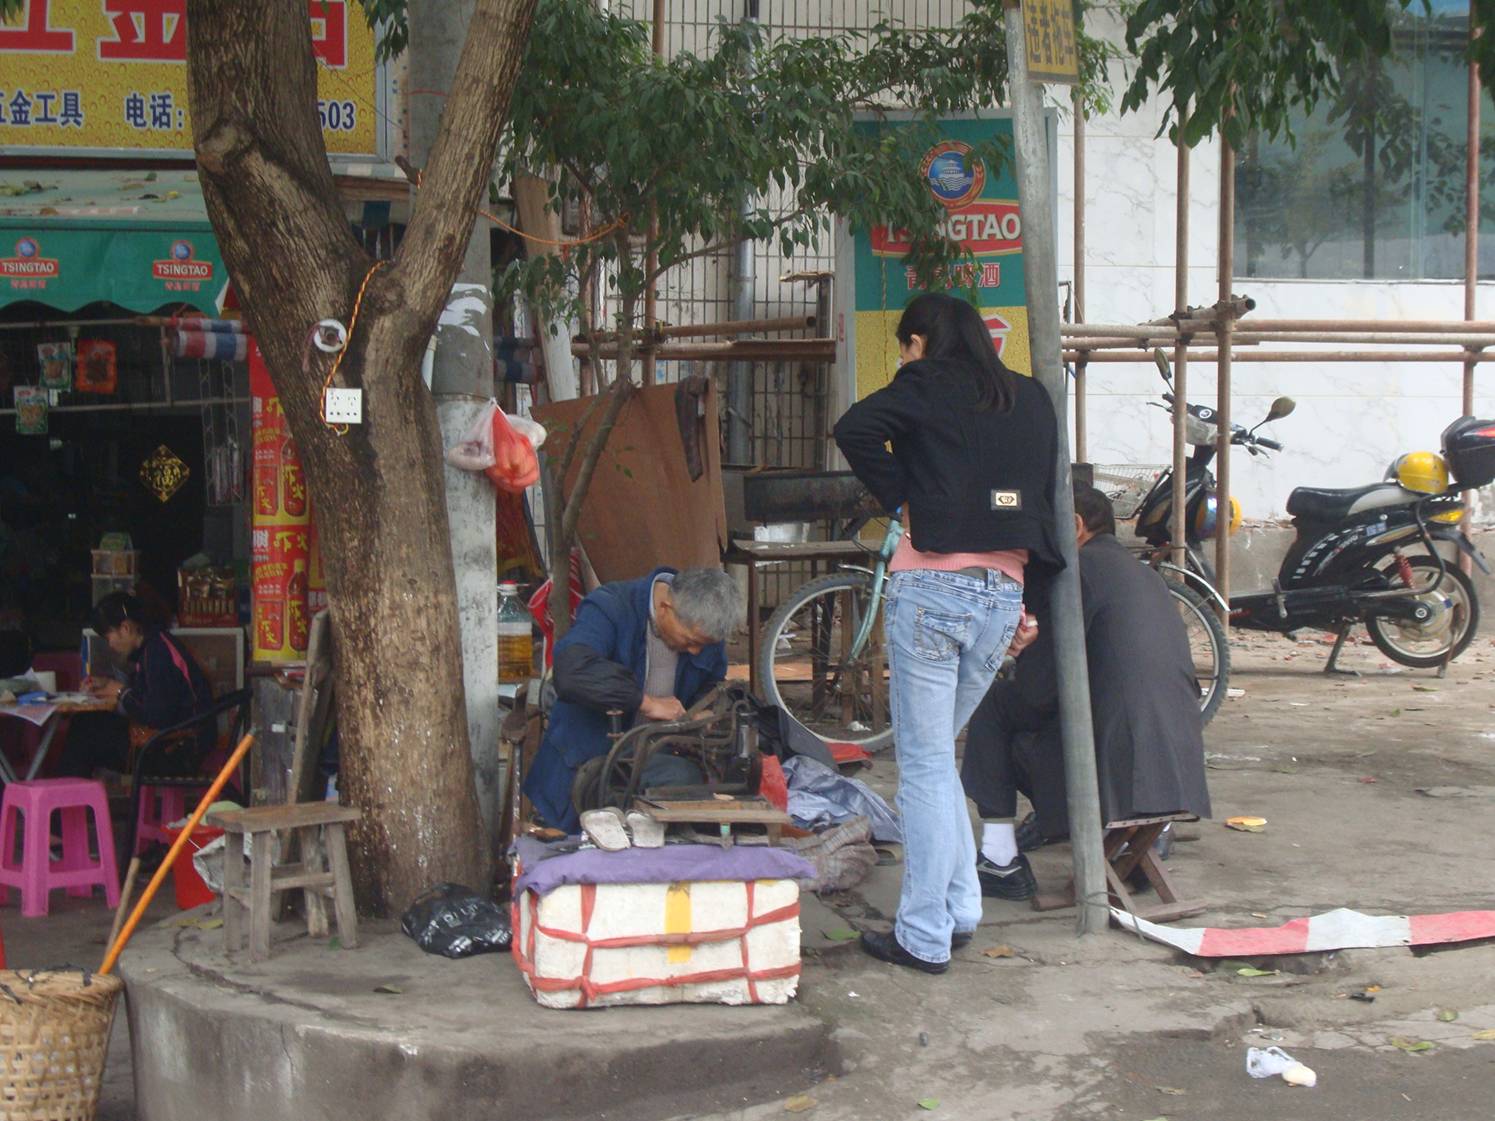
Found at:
[874, 280]
[110, 76]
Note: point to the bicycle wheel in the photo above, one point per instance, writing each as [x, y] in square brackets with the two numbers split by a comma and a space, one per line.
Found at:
[806, 667]
[1207, 643]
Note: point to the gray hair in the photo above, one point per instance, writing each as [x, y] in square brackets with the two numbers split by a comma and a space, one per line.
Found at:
[706, 600]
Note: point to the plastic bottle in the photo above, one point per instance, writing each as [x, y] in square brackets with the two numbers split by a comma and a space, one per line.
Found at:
[515, 637]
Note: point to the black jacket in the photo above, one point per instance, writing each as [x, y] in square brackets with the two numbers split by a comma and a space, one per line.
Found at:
[166, 685]
[1144, 702]
[974, 481]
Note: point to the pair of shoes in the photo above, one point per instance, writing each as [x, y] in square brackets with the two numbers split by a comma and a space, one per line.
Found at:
[1028, 836]
[961, 939]
[612, 831]
[1006, 881]
[886, 947]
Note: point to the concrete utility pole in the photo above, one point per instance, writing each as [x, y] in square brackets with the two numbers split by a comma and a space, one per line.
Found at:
[462, 382]
[740, 374]
[1035, 183]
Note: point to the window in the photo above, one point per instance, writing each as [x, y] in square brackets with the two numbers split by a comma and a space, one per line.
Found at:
[1373, 188]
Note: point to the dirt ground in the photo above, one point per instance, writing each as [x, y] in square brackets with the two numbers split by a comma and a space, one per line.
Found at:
[1379, 792]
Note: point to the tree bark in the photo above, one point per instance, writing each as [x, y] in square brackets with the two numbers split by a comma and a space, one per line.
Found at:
[377, 490]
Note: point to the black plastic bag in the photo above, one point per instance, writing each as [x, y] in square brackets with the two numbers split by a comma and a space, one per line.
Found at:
[457, 922]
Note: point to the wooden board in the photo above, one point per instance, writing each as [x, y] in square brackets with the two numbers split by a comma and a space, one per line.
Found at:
[262, 818]
[715, 812]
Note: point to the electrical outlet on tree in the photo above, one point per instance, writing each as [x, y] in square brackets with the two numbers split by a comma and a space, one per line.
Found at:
[344, 406]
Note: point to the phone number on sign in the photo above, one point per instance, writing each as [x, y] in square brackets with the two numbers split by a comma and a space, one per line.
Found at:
[338, 116]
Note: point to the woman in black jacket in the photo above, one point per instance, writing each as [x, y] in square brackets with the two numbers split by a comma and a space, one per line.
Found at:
[164, 687]
[971, 473]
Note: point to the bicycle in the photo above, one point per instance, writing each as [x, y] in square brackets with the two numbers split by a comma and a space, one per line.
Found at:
[822, 659]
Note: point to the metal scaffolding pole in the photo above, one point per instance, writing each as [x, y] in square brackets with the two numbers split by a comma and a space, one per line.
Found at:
[1225, 326]
[1471, 252]
[1178, 532]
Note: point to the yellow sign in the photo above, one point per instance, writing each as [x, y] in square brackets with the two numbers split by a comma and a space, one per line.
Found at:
[1053, 47]
[111, 75]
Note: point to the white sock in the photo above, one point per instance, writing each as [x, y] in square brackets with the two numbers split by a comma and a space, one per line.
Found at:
[998, 842]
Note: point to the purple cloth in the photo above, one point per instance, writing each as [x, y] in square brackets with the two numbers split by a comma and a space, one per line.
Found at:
[544, 871]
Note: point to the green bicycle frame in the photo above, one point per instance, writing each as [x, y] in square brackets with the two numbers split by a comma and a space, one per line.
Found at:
[879, 579]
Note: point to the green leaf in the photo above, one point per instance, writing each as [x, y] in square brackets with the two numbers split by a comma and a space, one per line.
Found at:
[1447, 1016]
[1409, 1046]
[930, 1104]
[840, 934]
[1249, 971]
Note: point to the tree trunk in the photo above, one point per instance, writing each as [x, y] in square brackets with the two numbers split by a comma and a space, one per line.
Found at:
[378, 489]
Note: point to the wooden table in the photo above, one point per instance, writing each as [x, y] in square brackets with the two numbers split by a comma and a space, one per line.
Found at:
[751, 554]
[49, 729]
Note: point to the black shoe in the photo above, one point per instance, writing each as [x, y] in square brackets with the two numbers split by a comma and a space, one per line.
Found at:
[886, 947]
[1028, 836]
[961, 939]
[1012, 881]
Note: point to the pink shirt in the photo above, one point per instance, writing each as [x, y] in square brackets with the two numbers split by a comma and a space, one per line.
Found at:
[1009, 562]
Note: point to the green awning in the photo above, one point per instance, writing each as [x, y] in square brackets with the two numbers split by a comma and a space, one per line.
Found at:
[140, 240]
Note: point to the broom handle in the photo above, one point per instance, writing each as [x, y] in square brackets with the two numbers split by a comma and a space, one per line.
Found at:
[124, 899]
[180, 843]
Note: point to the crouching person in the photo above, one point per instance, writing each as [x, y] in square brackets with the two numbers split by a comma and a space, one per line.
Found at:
[648, 648]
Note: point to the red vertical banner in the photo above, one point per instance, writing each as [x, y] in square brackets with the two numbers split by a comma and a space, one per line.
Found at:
[282, 531]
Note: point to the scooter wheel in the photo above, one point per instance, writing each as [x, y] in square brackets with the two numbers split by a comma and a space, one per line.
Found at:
[1443, 639]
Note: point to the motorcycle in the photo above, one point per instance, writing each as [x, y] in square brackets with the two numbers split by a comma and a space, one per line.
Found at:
[1363, 555]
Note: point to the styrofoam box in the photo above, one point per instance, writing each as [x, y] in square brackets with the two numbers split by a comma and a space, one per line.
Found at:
[724, 942]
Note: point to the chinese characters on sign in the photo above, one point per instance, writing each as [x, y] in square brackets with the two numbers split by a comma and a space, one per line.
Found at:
[111, 75]
[1053, 49]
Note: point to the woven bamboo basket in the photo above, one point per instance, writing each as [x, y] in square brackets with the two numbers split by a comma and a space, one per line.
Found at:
[54, 1036]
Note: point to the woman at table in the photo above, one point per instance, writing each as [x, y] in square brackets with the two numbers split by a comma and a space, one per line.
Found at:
[971, 472]
[163, 686]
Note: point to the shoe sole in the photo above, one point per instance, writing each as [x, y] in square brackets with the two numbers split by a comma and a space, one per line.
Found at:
[1015, 893]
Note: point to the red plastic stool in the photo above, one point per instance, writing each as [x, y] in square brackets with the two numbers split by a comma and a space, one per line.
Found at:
[26, 860]
[159, 807]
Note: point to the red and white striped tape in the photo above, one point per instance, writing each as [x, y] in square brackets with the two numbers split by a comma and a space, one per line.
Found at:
[1335, 930]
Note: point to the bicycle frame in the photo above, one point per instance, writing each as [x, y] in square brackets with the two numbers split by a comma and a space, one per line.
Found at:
[879, 579]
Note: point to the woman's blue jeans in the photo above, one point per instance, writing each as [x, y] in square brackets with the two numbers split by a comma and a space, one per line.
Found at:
[946, 635]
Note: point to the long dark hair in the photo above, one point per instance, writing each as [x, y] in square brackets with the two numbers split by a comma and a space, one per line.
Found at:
[953, 330]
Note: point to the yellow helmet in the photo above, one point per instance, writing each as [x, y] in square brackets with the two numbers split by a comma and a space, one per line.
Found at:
[1421, 472]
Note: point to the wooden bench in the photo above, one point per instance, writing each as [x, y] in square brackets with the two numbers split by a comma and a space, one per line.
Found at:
[1128, 846]
[321, 873]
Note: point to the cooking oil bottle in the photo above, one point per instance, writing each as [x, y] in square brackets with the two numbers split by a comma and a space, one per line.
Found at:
[515, 637]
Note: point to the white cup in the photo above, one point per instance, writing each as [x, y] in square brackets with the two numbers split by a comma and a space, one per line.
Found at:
[46, 680]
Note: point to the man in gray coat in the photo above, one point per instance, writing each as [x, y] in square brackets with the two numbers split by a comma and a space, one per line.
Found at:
[1144, 700]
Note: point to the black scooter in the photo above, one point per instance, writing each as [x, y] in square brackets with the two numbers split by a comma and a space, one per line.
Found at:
[1363, 555]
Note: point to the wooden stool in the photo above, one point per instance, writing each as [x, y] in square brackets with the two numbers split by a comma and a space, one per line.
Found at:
[318, 826]
[1128, 845]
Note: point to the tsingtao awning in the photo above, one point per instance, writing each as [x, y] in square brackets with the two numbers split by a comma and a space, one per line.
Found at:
[140, 240]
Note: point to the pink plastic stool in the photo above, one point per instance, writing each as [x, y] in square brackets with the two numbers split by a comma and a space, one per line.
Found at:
[159, 807]
[30, 866]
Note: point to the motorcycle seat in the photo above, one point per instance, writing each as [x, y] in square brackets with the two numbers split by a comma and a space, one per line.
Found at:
[1314, 504]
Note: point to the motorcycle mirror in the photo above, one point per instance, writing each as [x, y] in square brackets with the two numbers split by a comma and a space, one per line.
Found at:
[1160, 356]
[1281, 407]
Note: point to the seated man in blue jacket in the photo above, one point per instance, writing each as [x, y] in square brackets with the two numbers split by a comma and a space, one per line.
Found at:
[650, 648]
